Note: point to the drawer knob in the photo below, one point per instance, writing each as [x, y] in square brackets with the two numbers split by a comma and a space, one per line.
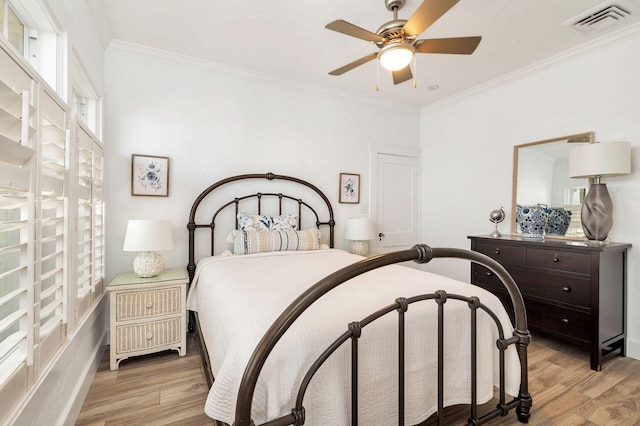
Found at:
[489, 273]
[497, 251]
[149, 336]
[555, 258]
[565, 321]
[567, 289]
[149, 304]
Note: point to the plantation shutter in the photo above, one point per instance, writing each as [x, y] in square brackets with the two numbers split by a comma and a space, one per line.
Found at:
[51, 276]
[98, 220]
[84, 225]
[90, 226]
[17, 132]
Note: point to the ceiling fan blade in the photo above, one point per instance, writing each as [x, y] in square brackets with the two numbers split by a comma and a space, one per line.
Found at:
[456, 45]
[345, 27]
[426, 14]
[354, 64]
[402, 75]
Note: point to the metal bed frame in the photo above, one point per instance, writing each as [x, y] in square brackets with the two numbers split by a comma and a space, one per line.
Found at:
[421, 254]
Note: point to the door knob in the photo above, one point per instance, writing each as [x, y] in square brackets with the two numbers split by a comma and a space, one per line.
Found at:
[381, 236]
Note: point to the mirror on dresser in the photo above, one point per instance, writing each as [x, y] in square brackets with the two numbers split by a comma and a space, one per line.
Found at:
[541, 178]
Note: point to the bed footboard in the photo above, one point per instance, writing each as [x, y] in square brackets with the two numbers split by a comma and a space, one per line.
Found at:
[420, 254]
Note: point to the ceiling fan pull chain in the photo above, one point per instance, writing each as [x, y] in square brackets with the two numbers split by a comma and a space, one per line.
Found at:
[415, 72]
[377, 75]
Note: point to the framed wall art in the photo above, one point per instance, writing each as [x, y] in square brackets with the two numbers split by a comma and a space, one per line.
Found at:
[149, 175]
[349, 188]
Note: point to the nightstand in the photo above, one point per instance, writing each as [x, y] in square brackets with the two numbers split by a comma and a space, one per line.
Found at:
[147, 314]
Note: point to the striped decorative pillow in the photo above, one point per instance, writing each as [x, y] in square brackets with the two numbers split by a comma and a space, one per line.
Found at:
[248, 242]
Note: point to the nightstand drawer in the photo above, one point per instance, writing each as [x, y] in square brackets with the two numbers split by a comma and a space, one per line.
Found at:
[559, 260]
[136, 337]
[503, 253]
[148, 304]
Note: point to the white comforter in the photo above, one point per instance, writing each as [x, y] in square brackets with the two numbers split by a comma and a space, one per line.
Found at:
[238, 297]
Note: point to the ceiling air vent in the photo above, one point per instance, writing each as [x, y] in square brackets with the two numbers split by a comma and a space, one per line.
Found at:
[595, 21]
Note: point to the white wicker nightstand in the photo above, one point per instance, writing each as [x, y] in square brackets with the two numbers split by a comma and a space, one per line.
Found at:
[147, 314]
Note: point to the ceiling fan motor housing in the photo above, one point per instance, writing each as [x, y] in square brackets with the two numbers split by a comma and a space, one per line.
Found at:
[394, 5]
[392, 32]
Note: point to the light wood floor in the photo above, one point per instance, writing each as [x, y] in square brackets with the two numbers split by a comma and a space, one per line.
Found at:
[165, 389]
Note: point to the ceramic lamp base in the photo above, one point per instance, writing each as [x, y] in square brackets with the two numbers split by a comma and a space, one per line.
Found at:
[360, 247]
[148, 264]
[597, 213]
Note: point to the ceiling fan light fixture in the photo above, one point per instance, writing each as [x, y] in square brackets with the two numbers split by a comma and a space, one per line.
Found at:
[394, 57]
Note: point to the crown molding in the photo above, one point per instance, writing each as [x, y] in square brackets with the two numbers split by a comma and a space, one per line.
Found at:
[604, 42]
[139, 51]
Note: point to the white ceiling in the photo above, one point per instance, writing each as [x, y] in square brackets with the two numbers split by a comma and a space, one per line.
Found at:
[287, 39]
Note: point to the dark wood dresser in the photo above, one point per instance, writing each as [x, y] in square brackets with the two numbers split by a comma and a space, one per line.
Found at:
[571, 290]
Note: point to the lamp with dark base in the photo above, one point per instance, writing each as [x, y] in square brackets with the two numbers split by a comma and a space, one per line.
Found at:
[594, 161]
[597, 212]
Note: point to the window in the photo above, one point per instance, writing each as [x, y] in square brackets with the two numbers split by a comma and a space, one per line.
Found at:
[28, 29]
[12, 26]
[85, 103]
[51, 226]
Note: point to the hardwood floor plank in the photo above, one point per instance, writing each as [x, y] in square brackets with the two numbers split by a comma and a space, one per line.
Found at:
[575, 420]
[165, 389]
[593, 384]
[618, 405]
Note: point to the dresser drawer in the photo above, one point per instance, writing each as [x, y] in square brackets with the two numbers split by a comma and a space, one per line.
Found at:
[559, 260]
[503, 253]
[558, 320]
[137, 337]
[486, 277]
[147, 304]
[573, 290]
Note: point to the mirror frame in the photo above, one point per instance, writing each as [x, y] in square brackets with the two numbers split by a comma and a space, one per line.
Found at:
[587, 137]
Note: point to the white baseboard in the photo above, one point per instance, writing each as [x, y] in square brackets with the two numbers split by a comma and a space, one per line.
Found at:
[633, 348]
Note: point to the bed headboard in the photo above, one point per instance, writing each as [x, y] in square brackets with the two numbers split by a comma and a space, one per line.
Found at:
[323, 215]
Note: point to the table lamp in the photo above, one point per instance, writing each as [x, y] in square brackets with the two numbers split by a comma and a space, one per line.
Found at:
[359, 230]
[595, 160]
[146, 236]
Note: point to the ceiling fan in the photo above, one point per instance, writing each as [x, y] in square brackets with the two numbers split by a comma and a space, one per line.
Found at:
[397, 39]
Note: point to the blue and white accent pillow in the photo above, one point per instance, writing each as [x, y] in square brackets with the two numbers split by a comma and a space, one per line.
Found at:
[258, 222]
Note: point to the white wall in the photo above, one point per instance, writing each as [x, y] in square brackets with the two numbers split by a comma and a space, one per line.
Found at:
[467, 148]
[214, 123]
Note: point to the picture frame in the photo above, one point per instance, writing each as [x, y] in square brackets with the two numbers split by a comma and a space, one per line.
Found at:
[149, 175]
[349, 188]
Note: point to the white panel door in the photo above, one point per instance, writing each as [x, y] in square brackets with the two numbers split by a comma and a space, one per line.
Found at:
[398, 201]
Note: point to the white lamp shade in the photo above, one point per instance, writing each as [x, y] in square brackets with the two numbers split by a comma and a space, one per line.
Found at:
[359, 228]
[600, 159]
[148, 235]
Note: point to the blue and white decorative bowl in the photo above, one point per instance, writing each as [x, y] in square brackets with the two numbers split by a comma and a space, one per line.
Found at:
[558, 220]
[532, 220]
